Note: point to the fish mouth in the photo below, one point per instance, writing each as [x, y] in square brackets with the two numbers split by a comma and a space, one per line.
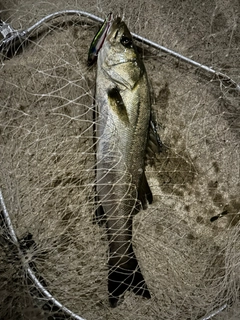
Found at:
[119, 32]
[115, 25]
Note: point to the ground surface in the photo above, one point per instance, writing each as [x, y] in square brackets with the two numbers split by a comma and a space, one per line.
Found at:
[191, 265]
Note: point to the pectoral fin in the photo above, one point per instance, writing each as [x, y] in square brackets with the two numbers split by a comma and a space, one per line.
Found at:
[116, 103]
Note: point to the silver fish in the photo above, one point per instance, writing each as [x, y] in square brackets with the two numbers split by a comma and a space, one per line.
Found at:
[126, 134]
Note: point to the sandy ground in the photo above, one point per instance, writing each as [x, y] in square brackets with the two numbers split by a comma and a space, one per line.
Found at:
[191, 264]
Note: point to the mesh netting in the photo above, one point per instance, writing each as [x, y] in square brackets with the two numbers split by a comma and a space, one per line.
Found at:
[187, 241]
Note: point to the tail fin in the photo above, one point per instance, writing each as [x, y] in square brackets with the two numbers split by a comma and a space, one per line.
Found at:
[122, 279]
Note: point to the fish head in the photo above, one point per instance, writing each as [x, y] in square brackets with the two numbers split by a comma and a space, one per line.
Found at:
[119, 57]
[120, 42]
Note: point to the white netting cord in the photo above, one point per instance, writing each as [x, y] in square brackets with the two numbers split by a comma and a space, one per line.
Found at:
[48, 178]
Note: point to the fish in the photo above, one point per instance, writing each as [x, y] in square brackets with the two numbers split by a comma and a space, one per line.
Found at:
[98, 40]
[126, 137]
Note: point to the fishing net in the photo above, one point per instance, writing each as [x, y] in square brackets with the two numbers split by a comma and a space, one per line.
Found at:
[188, 240]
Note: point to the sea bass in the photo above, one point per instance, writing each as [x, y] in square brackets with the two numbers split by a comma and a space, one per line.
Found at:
[126, 134]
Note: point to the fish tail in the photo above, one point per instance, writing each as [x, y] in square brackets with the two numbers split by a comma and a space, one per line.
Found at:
[121, 279]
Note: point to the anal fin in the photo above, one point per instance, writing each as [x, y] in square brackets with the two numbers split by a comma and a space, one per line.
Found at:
[144, 192]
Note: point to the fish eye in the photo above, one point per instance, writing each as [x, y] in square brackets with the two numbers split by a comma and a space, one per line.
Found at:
[126, 42]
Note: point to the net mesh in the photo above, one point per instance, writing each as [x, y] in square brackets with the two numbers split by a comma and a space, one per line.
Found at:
[190, 264]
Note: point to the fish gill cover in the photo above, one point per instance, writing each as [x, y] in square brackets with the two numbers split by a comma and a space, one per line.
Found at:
[187, 241]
